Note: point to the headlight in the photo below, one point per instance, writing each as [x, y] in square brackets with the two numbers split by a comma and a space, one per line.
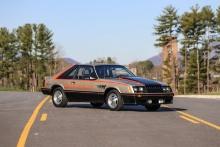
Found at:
[138, 89]
[166, 89]
[135, 89]
[141, 89]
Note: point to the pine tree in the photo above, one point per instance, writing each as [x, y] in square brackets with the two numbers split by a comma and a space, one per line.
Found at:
[46, 52]
[167, 72]
[167, 26]
[192, 72]
[184, 51]
[8, 52]
[166, 30]
[218, 20]
[27, 55]
[216, 62]
[208, 21]
[25, 40]
[192, 28]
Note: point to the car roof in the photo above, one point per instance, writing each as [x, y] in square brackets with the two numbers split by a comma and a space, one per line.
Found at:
[98, 64]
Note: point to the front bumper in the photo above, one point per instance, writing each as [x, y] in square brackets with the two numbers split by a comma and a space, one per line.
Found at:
[145, 98]
[46, 91]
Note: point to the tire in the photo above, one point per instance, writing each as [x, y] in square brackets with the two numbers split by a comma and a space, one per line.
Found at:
[96, 105]
[153, 107]
[59, 98]
[114, 100]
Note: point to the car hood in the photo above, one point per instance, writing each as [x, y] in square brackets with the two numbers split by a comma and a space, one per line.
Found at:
[144, 81]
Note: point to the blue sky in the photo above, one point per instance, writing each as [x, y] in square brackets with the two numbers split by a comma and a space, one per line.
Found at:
[88, 29]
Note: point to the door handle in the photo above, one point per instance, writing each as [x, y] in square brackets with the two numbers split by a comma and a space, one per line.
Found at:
[73, 82]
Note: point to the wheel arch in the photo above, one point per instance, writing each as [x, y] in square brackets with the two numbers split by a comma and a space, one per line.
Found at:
[109, 89]
[55, 86]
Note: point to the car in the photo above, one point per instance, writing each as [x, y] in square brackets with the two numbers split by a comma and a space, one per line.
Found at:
[113, 85]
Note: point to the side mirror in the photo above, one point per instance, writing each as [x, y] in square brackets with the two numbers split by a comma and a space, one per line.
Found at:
[92, 78]
[89, 77]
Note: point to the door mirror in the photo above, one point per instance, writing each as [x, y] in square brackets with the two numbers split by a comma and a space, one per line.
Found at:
[87, 77]
[92, 78]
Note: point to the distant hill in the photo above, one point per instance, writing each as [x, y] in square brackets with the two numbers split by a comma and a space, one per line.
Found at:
[64, 62]
[156, 60]
[70, 60]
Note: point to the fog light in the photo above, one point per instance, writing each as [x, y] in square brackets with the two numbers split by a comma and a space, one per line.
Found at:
[149, 101]
[161, 101]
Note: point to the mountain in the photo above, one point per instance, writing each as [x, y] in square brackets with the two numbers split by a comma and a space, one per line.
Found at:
[156, 60]
[70, 60]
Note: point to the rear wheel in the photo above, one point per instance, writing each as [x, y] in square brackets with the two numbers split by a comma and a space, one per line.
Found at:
[96, 105]
[153, 107]
[114, 100]
[59, 98]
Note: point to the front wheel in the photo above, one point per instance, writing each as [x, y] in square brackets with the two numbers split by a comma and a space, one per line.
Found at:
[153, 107]
[59, 98]
[114, 100]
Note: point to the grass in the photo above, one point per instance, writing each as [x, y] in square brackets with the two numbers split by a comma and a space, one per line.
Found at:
[10, 89]
[210, 93]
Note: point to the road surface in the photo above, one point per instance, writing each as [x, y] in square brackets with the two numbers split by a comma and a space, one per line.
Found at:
[187, 122]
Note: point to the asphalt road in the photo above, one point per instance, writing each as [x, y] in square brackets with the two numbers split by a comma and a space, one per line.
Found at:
[186, 123]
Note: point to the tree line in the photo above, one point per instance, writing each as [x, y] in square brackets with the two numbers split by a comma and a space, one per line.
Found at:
[27, 55]
[198, 35]
[143, 68]
[104, 60]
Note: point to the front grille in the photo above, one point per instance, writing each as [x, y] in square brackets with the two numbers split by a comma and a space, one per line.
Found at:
[153, 89]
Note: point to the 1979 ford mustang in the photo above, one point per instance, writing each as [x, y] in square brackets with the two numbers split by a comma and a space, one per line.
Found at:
[114, 85]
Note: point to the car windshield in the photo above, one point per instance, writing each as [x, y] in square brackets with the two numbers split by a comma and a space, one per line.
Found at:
[112, 71]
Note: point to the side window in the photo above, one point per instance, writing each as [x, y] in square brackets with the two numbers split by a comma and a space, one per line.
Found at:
[100, 71]
[85, 72]
[70, 74]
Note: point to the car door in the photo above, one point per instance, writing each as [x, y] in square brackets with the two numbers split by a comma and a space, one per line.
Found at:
[86, 85]
[68, 81]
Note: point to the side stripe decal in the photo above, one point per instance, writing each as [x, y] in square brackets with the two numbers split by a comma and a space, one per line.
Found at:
[91, 92]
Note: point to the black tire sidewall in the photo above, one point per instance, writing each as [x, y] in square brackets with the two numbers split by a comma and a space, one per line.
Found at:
[64, 98]
[120, 100]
